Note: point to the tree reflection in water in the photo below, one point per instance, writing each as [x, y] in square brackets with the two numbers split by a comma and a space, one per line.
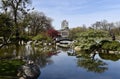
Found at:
[112, 57]
[39, 55]
[92, 65]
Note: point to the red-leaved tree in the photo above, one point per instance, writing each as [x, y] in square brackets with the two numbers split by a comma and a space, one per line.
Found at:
[52, 33]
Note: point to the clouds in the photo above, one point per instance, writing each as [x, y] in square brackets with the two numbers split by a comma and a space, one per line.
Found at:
[79, 11]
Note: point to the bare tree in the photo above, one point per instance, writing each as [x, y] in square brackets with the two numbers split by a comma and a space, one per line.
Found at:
[38, 22]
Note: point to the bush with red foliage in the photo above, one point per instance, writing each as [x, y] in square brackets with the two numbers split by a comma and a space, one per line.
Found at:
[52, 33]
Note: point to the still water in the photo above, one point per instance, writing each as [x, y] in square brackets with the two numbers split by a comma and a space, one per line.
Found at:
[57, 63]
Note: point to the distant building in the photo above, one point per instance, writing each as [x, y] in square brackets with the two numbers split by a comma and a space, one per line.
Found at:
[64, 24]
[64, 32]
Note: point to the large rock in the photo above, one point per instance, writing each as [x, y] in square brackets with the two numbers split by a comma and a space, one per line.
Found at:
[29, 71]
[77, 48]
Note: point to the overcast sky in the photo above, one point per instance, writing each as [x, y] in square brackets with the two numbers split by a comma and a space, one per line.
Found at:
[79, 12]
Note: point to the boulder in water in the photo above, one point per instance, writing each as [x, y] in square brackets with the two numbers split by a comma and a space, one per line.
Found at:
[29, 71]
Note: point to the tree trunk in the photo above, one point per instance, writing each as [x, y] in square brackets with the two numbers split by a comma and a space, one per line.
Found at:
[16, 26]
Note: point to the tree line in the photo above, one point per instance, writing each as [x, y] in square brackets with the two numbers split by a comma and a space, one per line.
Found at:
[17, 21]
[113, 29]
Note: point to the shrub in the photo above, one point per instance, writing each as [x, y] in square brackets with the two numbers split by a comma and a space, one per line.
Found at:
[110, 45]
[42, 37]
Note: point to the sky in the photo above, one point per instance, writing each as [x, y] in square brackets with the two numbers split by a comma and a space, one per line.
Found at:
[79, 12]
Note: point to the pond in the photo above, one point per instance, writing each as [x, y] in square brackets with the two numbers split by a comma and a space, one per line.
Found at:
[58, 63]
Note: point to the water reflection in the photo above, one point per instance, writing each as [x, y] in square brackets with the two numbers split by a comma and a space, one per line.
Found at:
[60, 61]
[28, 53]
[112, 57]
[39, 55]
[96, 65]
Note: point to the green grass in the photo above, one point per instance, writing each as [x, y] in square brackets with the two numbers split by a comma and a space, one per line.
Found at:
[8, 68]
